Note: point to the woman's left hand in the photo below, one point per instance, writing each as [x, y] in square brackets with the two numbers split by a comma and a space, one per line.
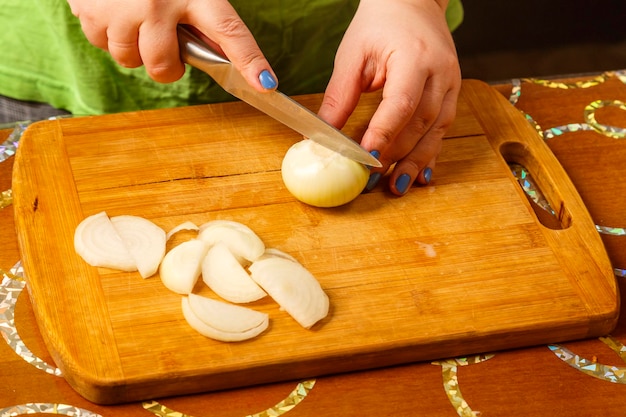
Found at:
[405, 48]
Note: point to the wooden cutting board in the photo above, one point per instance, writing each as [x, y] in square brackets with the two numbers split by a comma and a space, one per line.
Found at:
[457, 267]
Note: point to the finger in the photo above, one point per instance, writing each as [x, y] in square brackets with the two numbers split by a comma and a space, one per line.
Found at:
[341, 96]
[122, 44]
[158, 47]
[398, 105]
[419, 164]
[223, 26]
[95, 34]
[413, 168]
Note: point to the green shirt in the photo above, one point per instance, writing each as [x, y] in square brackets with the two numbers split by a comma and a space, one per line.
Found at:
[45, 57]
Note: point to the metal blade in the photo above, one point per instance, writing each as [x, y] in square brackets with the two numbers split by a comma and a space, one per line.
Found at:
[302, 120]
[273, 103]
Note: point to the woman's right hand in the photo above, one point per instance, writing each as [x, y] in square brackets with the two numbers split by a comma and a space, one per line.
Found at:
[143, 32]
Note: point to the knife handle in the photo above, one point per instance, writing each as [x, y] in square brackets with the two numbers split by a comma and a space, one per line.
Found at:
[195, 52]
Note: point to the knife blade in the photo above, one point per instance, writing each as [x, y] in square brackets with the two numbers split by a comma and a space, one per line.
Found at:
[279, 106]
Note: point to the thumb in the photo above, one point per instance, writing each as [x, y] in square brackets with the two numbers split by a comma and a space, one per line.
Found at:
[223, 26]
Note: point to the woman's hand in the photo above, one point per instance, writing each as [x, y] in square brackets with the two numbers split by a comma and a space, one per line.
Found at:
[405, 48]
[143, 32]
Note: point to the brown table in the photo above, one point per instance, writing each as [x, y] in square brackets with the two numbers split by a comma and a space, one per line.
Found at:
[583, 120]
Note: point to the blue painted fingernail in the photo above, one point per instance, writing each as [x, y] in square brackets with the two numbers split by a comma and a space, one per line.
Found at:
[376, 155]
[267, 80]
[402, 183]
[428, 174]
[373, 181]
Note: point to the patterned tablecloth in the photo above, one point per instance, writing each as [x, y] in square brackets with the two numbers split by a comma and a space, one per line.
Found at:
[582, 119]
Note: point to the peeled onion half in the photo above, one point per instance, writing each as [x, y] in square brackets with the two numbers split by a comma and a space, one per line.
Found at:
[320, 177]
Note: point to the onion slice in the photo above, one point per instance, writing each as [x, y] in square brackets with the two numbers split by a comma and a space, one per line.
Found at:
[239, 238]
[273, 252]
[182, 265]
[223, 273]
[188, 225]
[293, 287]
[222, 321]
[96, 240]
[144, 240]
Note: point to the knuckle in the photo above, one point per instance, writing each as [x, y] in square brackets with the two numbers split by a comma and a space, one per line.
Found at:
[384, 136]
[231, 27]
[411, 165]
[441, 127]
[122, 50]
[405, 104]
[419, 125]
[124, 53]
[163, 73]
[333, 103]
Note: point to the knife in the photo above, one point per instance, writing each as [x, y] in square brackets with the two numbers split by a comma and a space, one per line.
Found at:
[197, 53]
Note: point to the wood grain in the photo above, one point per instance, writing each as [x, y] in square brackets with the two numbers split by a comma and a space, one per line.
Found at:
[458, 267]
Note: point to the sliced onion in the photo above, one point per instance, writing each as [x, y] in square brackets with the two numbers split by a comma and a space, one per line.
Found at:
[320, 177]
[183, 226]
[293, 287]
[223, 273]
[96, 240]
[273, 252]
[222, 321]
[239, 238]
[144, 240]
[182, 265]
[224, 316]
[132, 243]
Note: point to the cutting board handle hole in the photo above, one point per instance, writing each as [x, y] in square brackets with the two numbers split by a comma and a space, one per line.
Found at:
[548, 207]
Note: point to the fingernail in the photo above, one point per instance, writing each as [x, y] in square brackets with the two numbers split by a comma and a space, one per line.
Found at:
[402, 183]
[373, 181]
[428, 174]
[267, 80]
[376, 155]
